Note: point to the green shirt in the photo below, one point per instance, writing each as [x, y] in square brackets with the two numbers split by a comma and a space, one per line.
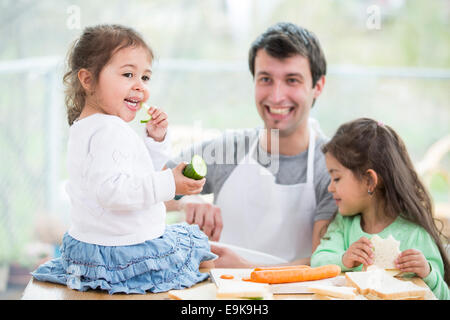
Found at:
[343, 231]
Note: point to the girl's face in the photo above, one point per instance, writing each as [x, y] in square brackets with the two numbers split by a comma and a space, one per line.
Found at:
[349, 192]
[123, 83]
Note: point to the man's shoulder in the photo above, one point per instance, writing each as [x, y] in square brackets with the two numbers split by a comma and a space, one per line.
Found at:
[319, 157]
[320, 141]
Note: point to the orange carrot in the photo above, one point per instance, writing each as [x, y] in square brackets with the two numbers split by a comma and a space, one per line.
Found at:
[296, 275]
[227, 276]
[281, 268]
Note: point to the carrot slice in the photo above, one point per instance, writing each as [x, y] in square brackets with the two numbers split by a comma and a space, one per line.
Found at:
[227, 276]
[295, 275]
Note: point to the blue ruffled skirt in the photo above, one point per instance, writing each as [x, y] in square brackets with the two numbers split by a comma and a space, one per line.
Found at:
[165, 263]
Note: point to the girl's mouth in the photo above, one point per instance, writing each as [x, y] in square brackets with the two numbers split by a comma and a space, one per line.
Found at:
[132, 104]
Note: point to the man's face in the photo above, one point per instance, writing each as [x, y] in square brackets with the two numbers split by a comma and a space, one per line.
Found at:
[284, 92]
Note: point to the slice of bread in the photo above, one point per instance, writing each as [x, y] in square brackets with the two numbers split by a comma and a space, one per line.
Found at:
[197, 292]
[385, 252]
[228, 289]
[333, 291]
[378, 284]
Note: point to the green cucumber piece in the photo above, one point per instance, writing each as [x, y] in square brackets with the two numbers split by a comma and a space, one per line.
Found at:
[196, 169]
[144, 105]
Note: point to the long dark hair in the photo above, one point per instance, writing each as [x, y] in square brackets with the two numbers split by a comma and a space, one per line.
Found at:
[365, 144]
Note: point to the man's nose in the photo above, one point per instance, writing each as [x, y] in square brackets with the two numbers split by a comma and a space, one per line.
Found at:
[278, 92]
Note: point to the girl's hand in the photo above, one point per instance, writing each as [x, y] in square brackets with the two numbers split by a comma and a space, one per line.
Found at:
[157, 126]
[185, 185]
[359, 252]
[413, 260]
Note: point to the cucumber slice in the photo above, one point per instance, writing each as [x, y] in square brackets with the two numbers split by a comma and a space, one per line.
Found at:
[146, 107]
[196, 169]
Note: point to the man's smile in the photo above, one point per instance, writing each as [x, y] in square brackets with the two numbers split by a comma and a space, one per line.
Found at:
[279, 113]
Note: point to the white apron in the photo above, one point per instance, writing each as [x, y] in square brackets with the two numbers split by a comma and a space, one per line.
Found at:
[261, 215]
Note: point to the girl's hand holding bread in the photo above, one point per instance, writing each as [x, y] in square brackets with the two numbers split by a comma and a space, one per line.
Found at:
[413, 260]
[359, 252]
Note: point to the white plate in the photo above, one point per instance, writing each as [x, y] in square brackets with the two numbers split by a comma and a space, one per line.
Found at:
[256, 257]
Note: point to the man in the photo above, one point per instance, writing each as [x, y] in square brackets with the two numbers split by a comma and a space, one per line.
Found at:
[279, 206]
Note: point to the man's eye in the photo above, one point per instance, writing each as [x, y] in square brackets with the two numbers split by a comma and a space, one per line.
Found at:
[128, 75]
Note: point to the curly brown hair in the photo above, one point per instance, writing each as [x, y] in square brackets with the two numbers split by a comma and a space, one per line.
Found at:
[92, 51]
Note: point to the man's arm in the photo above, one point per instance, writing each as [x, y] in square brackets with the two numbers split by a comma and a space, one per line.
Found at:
[319, 229]
[173, 205]
[204, 214]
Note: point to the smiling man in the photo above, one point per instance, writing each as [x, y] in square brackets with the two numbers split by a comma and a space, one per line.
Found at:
[277, 209]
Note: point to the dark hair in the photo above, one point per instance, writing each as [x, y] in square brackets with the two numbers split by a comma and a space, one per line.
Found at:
[284, 40]
[365, 144]
[92, 51]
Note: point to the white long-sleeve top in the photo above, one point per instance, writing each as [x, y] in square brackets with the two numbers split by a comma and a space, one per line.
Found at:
[116, 185]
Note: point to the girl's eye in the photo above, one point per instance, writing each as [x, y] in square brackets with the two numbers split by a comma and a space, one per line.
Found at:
[336, 179]
[128, 74]
[146, 78]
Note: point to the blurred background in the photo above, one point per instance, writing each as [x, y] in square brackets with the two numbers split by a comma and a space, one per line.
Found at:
[387, 59]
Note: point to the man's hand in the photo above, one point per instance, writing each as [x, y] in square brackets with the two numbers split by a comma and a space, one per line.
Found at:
[229, 259]
[207, 216]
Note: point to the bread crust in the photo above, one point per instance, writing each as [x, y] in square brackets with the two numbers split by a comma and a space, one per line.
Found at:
[374, 294]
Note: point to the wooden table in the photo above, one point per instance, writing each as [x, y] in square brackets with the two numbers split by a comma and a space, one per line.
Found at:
[38, 290]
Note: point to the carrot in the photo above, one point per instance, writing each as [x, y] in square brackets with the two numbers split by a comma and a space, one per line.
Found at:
[227, 276]
[281, 268]
[295, 275]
